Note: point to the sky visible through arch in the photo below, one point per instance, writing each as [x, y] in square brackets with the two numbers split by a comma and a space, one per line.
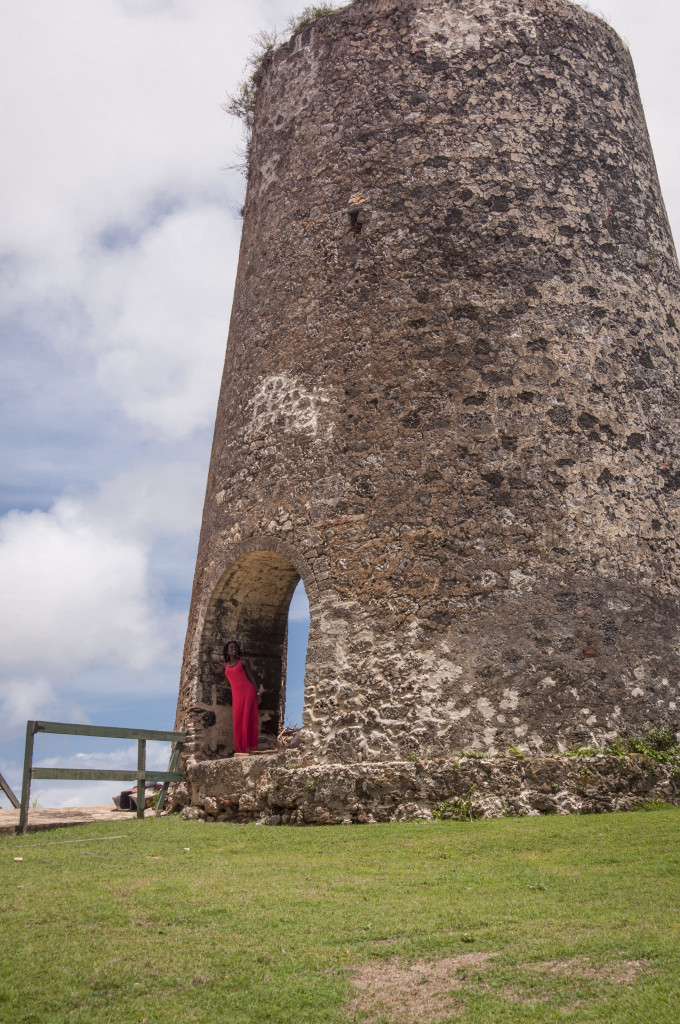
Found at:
[298, 634]
[119, 235]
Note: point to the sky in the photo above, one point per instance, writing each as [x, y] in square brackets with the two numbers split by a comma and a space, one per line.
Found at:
[119, 236]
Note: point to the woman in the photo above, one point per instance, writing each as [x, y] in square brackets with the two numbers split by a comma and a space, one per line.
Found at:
[244, 696]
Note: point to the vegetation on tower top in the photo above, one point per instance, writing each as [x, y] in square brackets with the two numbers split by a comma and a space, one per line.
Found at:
[241, 103]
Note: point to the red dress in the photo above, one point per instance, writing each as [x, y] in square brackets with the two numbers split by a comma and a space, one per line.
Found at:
[244, 708]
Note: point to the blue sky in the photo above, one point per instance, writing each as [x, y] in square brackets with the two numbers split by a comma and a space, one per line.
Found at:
[119, 234]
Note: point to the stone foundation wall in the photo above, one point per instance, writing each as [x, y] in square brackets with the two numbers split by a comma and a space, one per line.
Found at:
[277, 790]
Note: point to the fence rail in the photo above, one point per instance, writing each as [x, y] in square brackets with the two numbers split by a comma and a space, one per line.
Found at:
[140, 773]
[65, 728]
[100, 773]
[7, 790]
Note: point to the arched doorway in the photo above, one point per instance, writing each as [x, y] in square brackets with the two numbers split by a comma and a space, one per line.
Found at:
[249, 604]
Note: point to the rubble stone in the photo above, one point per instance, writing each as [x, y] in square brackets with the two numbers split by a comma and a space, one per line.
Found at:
[278, 790]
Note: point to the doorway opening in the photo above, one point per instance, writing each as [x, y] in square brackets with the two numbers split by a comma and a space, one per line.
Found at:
[251, 605]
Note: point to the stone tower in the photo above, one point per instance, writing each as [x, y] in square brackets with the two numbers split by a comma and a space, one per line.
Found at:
[450, 398]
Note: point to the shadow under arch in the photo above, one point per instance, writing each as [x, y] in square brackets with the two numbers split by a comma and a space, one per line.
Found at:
[250, 604]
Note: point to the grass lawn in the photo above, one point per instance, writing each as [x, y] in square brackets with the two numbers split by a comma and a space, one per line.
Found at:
[570, 919]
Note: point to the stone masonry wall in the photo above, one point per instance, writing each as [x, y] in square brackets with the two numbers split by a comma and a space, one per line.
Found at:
[277, 790]
[450, 398]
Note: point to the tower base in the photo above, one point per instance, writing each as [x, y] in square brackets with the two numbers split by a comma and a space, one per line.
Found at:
[280, 790]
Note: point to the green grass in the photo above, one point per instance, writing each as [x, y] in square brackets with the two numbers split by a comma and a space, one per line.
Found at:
[257, 925]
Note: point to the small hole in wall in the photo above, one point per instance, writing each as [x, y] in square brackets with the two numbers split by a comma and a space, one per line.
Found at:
[354, 222]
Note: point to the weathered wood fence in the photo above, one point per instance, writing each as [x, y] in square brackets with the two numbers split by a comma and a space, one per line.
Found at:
[5, 787]
[140, 773]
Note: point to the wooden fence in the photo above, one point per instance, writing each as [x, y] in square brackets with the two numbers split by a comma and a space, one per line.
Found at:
[5, 787]
[140, 773]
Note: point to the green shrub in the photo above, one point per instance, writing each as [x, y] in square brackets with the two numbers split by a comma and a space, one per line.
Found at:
[656, 744]
[458, 809]
[241, 103]
[661, 739]
[582, 752]
[308, 16]
[652, 805]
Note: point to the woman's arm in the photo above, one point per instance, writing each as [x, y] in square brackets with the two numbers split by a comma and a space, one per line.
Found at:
[217, 670]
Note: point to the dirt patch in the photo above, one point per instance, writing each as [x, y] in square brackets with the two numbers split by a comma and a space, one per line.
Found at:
[416, 993]
[623, 972]
[58, 817]
[425, 992]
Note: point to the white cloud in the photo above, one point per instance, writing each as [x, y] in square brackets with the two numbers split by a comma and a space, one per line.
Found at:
[105, 107]
[153, 315]
[152, 502]
[76, 794]
[27, 697]
[157, 757]
[81, 590]
[117, 218]
[73, 592]
[159, 317]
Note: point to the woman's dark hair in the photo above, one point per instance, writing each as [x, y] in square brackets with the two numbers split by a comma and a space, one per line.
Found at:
[238, 649]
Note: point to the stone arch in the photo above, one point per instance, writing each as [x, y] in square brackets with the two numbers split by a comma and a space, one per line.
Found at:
[249, 602]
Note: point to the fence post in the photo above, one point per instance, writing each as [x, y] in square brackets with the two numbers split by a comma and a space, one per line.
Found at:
[173, 766]
[141, 781]
[26, 782]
